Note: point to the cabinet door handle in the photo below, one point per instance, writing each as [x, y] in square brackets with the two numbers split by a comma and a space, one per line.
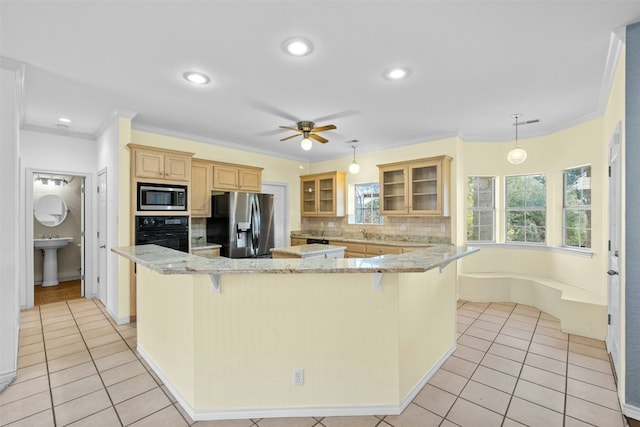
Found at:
[612, 272]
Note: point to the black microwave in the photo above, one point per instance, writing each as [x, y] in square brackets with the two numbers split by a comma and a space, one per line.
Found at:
[162, 197]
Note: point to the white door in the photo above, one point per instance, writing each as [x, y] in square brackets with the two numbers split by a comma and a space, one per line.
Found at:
[102, 236]
[613, 273]
[280, 212]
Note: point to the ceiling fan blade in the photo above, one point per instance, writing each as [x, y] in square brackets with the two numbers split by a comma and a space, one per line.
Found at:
[290, 128]
[338, 115]
[318, 138]
[323, 128]
[273, 110]
[289, 137]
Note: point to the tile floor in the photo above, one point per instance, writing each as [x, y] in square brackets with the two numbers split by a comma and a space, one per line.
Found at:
[513, 367]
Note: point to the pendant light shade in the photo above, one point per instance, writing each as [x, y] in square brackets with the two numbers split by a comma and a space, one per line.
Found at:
[354, 167]
[517, 155]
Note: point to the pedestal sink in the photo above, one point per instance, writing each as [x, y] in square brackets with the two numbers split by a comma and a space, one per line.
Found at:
[50, 248]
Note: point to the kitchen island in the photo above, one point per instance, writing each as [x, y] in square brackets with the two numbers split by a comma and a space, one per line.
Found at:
[254, 338]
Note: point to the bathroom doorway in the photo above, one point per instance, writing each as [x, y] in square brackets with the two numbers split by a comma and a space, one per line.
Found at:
[58, 224]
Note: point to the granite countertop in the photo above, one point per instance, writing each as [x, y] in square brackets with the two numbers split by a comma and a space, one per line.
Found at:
[311, 249]
[371, 241]
[201, 244]
[170, 261]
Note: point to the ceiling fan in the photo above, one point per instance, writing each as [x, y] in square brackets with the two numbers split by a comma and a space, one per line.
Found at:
[308, 131]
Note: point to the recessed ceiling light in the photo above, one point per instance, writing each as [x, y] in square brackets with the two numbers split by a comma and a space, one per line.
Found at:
[196, 78]
[297, 46]
[397, 73]
[64, 120]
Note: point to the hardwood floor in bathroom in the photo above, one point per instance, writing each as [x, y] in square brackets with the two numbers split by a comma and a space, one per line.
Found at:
[62, 292]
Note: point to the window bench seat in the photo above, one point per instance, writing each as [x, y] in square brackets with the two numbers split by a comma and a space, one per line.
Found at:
[580, 311]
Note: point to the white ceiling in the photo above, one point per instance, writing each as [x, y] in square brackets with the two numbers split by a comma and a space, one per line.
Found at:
[473, 63]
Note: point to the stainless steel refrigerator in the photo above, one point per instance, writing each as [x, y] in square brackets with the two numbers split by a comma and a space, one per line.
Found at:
[242, 223]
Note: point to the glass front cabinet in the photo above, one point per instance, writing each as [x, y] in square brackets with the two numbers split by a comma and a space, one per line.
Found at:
[417, 187]
[323, 194]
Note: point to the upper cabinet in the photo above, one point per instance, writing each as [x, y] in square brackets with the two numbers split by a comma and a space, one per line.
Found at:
[417, 187]
[323, 194]
[201, 181]
[232, 177]
[161, 164]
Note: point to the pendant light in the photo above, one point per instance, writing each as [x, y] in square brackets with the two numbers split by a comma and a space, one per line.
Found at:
[354, 167]
[517, 155]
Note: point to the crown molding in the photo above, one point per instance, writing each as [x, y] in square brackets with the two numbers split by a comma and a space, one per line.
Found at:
[59, 132]
[111, 118]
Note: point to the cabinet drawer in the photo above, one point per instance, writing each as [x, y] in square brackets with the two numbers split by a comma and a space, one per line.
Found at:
[351, 247]
[375, 250]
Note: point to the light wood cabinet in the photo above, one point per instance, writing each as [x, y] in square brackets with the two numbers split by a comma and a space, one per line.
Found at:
[418, 187]
[206, 252]
[232, 177]
[297, 241]
[201, 181]
[375, 250]
[323, 194]
[161, 164]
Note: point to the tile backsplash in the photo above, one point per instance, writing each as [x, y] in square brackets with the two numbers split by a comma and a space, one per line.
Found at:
[410, 229]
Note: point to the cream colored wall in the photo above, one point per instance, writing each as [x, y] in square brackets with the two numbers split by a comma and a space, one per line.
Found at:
[552, 154]
[237, 350]
[417, 354]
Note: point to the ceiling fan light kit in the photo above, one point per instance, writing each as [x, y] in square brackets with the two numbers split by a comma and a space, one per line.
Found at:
[308, 131]
[306, 144]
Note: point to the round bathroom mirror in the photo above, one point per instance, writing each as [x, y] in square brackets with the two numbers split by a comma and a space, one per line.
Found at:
[50, 210]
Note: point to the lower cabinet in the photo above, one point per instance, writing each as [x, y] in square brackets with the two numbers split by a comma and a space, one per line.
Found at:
[206, 252]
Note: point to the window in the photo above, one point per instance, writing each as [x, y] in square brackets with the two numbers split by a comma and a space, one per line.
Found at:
[526, 202]
[367, 204]
[481, 215]
[577, 207]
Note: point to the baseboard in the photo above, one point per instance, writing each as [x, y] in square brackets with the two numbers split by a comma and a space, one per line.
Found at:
[119, 320]
[60, 279]
[7, 378]
[631, 411]
[330, 411]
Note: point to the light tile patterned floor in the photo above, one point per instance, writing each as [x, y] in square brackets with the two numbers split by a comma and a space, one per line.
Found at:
[513, 366]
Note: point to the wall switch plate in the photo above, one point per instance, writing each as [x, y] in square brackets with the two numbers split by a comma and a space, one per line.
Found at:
[298, 377]
[402, 227]
[443, 228]
[331, 224]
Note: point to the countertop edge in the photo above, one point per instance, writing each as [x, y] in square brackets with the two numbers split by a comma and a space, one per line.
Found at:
[169, 261]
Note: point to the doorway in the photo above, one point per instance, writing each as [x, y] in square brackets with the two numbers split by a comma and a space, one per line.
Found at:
[57, 223]
[280, 193]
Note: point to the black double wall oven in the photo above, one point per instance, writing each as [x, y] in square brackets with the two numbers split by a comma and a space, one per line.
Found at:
[168, 231]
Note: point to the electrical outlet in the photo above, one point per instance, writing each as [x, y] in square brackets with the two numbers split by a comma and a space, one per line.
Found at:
[298, 377]
[331, 224]
[443, 228]
[402, 227]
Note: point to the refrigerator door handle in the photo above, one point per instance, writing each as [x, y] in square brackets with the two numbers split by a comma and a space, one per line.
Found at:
[255, 224]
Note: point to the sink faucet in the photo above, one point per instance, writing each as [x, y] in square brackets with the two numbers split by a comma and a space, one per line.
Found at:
[50, 236]
[365, 234]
